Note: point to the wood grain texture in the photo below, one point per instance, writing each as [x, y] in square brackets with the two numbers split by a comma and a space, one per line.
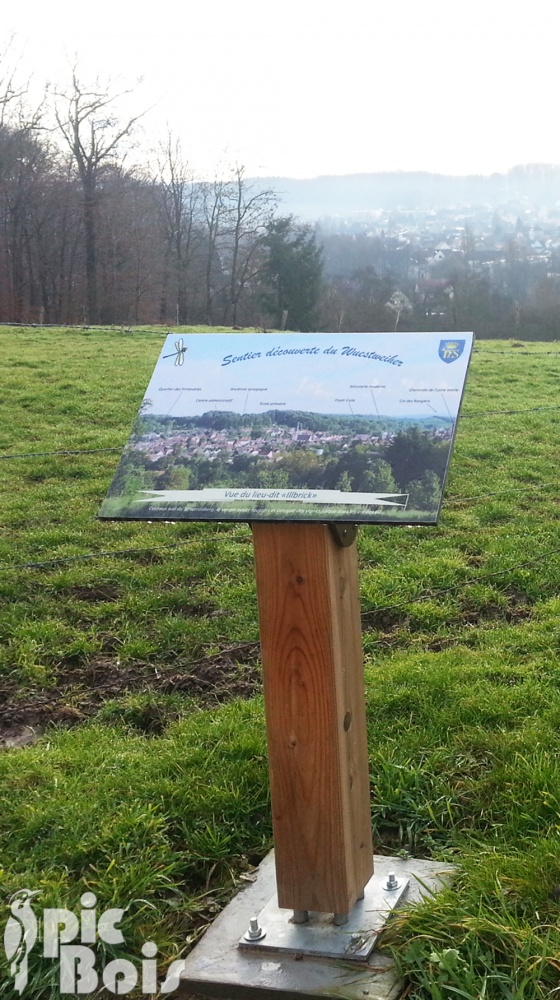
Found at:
[309, 613]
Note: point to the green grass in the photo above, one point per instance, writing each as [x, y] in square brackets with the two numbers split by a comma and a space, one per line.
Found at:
[160, 800]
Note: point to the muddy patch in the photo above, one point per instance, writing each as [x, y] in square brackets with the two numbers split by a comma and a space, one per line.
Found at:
[203, 610]
[81, 690]
[384, 620]
[94, 594]
[215, 677]
[517, 609]
[19, 736]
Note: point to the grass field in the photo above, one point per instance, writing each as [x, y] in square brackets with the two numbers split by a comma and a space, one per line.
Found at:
[133, 648]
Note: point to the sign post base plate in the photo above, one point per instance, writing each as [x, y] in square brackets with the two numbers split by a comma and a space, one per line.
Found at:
[219, 967]
[320, 936]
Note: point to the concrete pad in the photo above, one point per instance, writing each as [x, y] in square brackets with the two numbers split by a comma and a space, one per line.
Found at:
[218, 967]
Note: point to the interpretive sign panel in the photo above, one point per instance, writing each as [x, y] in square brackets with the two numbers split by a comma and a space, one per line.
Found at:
[294, 427]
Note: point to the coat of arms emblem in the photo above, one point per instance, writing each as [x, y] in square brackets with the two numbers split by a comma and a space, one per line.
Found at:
[450, 350]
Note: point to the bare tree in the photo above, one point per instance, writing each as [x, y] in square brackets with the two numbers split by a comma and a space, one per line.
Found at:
[180, 201]
[250, 209]
[237, 215]
[214, 196]
[12, 90]
[94, 136]
[23, 164]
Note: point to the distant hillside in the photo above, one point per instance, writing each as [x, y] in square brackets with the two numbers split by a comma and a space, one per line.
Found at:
[338, 423]
[315, 198]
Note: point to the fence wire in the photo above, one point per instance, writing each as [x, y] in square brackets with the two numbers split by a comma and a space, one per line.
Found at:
[514, 352]
[501, 493]
[65, 451]
[425, 595]
[492, 413]
[84, 328]
[97, 451]
[109, 554]
[480, 578]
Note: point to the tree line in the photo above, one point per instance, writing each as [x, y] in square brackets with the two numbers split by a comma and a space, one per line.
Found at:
[87, 238]
[219, 420]
[371, 284]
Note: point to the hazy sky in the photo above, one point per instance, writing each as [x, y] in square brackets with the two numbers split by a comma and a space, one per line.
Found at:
[309, 87]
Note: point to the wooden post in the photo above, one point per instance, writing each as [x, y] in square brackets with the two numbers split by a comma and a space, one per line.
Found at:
[309, 614]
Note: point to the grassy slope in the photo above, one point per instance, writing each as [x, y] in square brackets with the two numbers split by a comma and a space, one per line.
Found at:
[463, 686]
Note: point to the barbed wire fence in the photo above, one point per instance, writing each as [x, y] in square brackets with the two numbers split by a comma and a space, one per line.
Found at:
[531, 489]
[97, 451]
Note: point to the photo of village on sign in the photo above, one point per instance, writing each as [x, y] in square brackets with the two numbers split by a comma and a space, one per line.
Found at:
[294, 427]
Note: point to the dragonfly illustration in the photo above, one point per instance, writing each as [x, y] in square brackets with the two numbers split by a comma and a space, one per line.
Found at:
[180, 352]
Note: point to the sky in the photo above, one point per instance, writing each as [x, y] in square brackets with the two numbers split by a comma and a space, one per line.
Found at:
[303, 88]
[247, 373]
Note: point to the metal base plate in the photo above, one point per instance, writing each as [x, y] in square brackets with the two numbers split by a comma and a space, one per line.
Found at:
[218, 968]
[354, 940]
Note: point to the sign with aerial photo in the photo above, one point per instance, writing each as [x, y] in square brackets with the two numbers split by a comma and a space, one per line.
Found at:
[294, 427]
